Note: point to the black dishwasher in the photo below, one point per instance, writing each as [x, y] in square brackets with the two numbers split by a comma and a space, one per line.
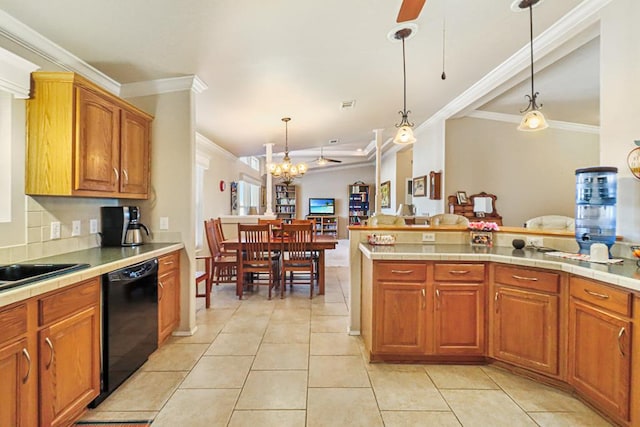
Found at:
[129, 323]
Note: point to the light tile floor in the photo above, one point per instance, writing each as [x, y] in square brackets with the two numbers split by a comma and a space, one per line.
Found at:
[290, 362]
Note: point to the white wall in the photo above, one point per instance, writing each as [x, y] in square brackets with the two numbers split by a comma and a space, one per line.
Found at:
[531, 173]
[428, 155]
[620, 106]
[333, 182]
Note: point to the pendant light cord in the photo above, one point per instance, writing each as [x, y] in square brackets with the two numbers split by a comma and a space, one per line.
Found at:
[531, 47]
[404, 77]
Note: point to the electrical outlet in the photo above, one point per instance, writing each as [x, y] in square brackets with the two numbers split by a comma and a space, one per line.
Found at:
[55, 230]
[75, 228]
[164, 223]
[534, 241]
[428, 237]
[93, 226]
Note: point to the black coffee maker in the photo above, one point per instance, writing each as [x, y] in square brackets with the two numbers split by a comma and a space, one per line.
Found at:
[121, 226]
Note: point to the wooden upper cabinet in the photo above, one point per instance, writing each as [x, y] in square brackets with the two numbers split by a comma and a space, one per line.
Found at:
[134, 153]
[84, 141]
[98, 144]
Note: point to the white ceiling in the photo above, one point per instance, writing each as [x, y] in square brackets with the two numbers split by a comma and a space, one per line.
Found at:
[263, 60]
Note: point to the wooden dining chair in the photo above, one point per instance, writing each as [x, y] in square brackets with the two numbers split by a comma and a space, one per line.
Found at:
[223, 265]
[297, 255]
[258, 257]
[276, 226]
[219, 233]
[204, 276]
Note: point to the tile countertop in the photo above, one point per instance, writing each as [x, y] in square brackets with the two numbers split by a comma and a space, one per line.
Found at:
[100, 260]
[625, 274]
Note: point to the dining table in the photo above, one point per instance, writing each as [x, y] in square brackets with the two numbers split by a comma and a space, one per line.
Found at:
[320, 244]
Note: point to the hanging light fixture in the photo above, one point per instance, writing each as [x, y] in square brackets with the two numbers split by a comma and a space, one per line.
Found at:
[286, 170]
[533, 119]
[405, 133]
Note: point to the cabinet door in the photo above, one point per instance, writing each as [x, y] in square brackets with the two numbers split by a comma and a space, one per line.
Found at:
[97, 143]
[168, 304]
[134, 154]
[18, 376]
[600, 357]
[400, 318]
[459, 319]
[69, 366]
[525, 328]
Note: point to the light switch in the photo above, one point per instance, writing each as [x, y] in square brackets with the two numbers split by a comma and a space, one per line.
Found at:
[75, 228]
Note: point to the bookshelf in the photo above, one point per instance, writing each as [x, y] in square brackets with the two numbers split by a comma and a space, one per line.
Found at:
[358, 203]
[325, 224]
[285, 206]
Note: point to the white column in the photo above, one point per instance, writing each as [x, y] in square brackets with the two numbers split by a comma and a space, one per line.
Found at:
[269, 150]
[378, 134]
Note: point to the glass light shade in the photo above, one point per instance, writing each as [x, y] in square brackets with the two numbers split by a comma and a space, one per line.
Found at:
[293, 170]
[404, 135]
[302, 168]
[532, 121]
[277, 171]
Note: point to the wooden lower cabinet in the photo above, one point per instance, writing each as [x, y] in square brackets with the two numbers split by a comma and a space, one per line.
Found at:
[69, 366]
[18, 365]
[168, 295]
[600, 347]
[459, 319]
[401, 318]
[525, 318]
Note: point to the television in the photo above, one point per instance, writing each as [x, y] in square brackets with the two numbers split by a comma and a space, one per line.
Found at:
[322, 206]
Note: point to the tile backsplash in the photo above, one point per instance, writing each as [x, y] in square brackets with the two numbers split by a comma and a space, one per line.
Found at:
[41, 212]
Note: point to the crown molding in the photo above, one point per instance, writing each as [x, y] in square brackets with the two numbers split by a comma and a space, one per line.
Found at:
[577, 20]
[325, 169]
[159, 86]
[15, 74]
[31, 40]
[514, 118]
[205, 144]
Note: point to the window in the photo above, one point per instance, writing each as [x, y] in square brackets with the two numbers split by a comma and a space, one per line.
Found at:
[248, 197]
[252, 161]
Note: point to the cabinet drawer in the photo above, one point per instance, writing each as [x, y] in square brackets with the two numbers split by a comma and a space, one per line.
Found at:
[169, 262]
[528, 278]
[602, 295]
[14, 322]
[448, 272]
[70, 300]
[397, 272]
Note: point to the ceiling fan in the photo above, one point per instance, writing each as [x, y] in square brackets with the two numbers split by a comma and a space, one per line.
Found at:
[322, 160]
[410, 10]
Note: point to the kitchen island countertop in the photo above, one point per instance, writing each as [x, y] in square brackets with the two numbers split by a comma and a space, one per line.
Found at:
[625, 274]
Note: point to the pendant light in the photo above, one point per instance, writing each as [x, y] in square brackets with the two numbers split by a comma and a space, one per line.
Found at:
[404, 135]
[286, 170]
[533, 120]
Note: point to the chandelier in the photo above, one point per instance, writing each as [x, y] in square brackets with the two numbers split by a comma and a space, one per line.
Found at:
[405, 133]
[286, 170]
[533, 119]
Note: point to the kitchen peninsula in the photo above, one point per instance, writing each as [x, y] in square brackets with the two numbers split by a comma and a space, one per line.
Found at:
[567, 323]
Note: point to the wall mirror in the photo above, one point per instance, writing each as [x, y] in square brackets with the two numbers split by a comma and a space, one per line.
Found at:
[484, 204]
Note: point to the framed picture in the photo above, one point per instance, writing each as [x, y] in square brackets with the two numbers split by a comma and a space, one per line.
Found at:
[385, 194]
[462, 197]
[481, 238]
[420, 186]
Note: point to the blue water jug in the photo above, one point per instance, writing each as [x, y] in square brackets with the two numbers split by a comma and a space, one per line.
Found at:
[596, 197]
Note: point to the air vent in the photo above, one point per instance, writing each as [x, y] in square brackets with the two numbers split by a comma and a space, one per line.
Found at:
[333, 141]
[348, 105]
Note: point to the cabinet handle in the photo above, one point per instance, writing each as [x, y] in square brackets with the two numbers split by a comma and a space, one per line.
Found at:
[50, 344]
[438, 299]
[530, 279]
[496, 300]
[25, 352]
[167, 263]
[401, 271]
[620, 347]
[161, 290]
[125, 175]
[117, 174]
[459, 272]
[424, 299]
[597, 295]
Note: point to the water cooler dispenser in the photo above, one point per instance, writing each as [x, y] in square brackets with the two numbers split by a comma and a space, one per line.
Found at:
[596, 196]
